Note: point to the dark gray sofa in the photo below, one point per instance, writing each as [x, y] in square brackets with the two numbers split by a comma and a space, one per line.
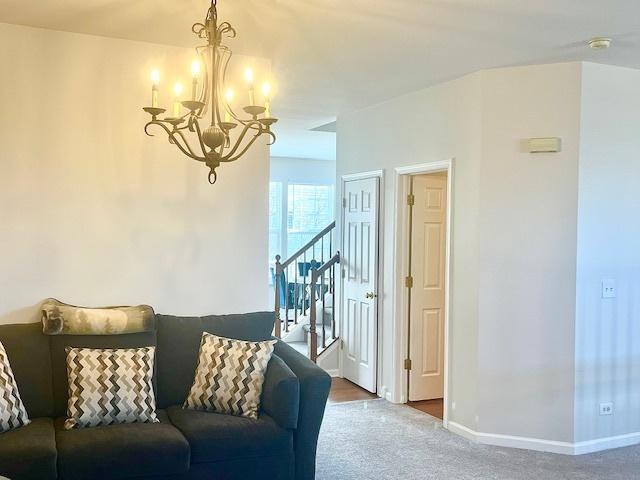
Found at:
[186, 444]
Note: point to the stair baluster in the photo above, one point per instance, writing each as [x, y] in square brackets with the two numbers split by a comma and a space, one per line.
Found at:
[308, 296]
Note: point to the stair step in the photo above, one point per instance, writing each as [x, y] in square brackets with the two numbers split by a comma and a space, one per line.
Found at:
[303, 348]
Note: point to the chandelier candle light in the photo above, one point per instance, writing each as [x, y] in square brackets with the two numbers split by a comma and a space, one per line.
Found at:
[213, 145]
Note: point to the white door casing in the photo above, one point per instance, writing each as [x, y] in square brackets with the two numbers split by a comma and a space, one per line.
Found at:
[428, 294]
[359, 288]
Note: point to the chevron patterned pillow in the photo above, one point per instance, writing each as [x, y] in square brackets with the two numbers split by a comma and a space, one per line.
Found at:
[229, 376]
[110, 386]
[12, 411]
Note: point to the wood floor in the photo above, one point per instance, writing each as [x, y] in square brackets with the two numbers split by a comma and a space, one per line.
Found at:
[435, 408]
[343, 390]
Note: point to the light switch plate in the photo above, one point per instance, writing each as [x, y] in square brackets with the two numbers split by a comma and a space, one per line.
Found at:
[608, 288]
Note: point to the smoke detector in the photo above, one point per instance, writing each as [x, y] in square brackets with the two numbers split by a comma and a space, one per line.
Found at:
[599, 43]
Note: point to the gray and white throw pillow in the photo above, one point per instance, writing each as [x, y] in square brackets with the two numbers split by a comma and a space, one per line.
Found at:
[12, 411]
[229, 376]
[109, 386]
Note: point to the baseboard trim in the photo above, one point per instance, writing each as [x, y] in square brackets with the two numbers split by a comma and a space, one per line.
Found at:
[607, 443]
[334, 372]
[540, 445]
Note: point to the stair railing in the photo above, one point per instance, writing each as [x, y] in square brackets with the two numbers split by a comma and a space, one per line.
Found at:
[295, 275]
[320, 273]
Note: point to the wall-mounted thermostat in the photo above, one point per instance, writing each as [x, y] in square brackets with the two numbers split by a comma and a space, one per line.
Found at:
[545, 145]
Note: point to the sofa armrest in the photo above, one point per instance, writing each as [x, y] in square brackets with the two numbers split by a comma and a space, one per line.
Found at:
[314, 391]
[281, 393]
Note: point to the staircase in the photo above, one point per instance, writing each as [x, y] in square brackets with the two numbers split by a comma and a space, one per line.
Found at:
[305, 295]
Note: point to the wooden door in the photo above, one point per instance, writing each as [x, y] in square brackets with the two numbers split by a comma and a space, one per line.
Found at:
[359, 290]
[427, 300]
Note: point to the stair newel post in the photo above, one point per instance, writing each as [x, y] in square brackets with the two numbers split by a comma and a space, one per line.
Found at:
[313, 336]
[278, 276]
[333, 296]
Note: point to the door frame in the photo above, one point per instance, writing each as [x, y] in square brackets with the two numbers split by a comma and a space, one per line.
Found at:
[379, 174]
[400, 266]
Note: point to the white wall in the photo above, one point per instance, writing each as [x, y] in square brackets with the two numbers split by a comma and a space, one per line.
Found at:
[96, 213]
[430, 125]
[514, 230]
[527, 254]
[302, 170]
[608, 330]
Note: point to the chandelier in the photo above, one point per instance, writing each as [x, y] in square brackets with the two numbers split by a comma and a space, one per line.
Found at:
[212, 145]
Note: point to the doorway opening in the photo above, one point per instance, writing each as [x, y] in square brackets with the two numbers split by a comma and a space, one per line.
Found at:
[422, 260]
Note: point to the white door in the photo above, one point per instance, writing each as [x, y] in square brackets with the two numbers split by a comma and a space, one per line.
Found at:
[359, 288]
[427, 301]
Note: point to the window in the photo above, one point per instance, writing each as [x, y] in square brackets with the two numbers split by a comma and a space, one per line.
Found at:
[308, 209]
[275, 220]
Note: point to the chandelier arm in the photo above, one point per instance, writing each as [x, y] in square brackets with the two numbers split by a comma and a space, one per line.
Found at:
[239, 141]
[199, 135]
[172, 138]
[192, 154]
[273, 137]
[229, 158]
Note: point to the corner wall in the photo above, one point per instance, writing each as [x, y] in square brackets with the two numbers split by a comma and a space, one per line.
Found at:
[608, 330]
[527, 255]
[93, 211]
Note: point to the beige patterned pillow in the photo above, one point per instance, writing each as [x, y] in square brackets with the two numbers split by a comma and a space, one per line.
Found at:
[12, 411]
[229, 376]
[110, 386]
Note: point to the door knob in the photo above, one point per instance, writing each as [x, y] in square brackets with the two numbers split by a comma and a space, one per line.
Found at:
[371, 295]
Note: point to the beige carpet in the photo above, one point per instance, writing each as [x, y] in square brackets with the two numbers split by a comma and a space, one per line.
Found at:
[379, 440]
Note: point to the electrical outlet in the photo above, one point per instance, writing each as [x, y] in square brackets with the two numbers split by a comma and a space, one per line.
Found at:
[606, 408]
[608, 288]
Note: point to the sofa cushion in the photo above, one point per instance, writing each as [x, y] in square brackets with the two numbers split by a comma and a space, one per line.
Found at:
[179, 342]
[216, 437]
[30, 358]
[59, 357]
[121, 451]
[29, 453]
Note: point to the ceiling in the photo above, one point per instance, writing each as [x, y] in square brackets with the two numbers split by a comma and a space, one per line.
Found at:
[331, 56]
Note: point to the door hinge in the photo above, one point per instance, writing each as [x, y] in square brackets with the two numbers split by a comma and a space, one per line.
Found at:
[407, 364]
[411, 199]
[408, 282]
[344, 203]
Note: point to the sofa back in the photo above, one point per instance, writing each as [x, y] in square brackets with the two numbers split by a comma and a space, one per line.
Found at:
[39, 362]
[179, 344]
[30, 359]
